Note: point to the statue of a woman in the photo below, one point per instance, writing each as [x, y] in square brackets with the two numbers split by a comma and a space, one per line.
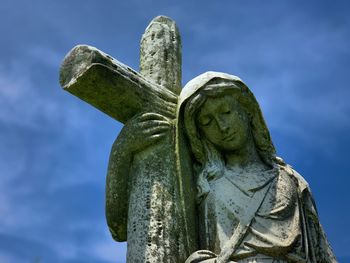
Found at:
[252, 206]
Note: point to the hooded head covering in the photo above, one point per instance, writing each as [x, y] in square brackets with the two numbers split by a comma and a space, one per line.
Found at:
[216, 84]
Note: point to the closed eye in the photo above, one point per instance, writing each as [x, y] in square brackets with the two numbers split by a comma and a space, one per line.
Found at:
[205, 122]
[226, 112]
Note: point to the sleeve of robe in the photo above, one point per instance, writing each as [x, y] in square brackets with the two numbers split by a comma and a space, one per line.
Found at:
[319, 248]
[316, 244]
[117, 193]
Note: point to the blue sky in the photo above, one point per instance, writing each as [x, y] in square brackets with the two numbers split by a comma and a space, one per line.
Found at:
[294, 55]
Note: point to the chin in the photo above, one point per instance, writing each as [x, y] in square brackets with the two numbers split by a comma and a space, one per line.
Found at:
[235, 146]
[230, 148]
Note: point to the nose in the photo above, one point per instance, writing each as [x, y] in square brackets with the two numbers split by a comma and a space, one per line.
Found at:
[222, 125]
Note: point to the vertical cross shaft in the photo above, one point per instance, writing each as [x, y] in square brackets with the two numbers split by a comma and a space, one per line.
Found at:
[156, 227]
[160, 55]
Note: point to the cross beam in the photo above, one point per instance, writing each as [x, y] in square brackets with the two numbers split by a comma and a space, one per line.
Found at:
[111, 86]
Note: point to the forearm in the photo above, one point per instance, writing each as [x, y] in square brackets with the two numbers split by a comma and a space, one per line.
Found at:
[117, 189]
[120, 157]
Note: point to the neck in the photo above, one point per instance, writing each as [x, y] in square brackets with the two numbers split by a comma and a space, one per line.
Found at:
[243, 157]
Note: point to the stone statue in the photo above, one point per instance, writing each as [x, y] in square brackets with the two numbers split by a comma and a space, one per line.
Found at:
[193, 174]
[252, 206]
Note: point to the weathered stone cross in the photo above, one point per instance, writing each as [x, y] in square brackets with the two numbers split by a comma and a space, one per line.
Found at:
[161, 220]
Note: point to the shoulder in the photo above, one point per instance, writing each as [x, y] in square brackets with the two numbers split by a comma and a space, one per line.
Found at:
[286, 170]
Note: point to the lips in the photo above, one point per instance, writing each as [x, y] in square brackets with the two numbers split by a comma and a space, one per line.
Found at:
[229, 137]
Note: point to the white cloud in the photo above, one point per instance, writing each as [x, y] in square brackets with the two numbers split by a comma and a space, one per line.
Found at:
[27, 102]
[7, 258]
[25, 110]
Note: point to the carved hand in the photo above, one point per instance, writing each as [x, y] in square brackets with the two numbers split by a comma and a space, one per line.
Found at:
[203, 256]
[143, 131]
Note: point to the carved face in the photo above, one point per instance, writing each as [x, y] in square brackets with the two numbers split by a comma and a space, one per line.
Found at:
[224, 123]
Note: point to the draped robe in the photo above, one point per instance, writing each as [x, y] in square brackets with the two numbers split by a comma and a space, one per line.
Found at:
[285, 226]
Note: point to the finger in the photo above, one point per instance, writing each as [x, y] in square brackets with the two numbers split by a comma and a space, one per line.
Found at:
[165, 109]
[157, 136]
[153, 116]
[155, 130]
[153, 123]
[200, 256]
[206, 252]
